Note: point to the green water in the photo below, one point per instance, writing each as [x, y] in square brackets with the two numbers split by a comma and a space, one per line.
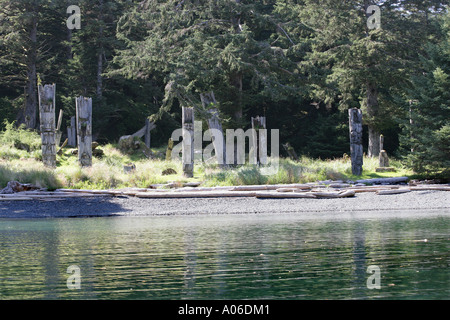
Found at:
[225, 257]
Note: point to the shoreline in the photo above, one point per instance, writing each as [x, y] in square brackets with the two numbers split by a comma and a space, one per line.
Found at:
[363, 204]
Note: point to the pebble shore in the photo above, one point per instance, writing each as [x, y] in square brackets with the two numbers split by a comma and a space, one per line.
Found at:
[418, 203]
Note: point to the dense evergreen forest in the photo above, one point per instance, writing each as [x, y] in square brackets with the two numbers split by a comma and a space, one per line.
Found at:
[300, 63]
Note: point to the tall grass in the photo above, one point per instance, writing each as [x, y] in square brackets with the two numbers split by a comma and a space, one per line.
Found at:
[20, 161]
[302, 171]
[28, 171]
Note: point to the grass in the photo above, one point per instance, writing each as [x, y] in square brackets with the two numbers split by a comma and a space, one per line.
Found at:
[20, 160]
[302, 171]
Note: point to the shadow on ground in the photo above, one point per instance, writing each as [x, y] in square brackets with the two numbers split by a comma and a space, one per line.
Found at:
[66, 208]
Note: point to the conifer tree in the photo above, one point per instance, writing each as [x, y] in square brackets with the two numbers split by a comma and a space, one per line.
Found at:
[198, 46]
[354, 63]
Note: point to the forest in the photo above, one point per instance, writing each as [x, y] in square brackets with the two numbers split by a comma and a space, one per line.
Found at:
[300, 63]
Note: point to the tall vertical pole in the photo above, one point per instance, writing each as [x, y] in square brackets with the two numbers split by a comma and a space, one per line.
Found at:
[84, 130]
[147, 135]
[72, 133]
[188, 142]
[259, 136]
[47, 123]
[356, 147]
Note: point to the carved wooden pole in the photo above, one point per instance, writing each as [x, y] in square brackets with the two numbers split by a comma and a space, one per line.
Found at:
[210, 104]
[169, 150]
[47, 121]
[147, 135]
[383, 157]
[72, 133]
[259, 136]
[356, 148]
[84, 130]
[188, 142]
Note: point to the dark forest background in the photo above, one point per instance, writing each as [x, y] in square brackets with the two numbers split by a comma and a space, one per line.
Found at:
[301, 64]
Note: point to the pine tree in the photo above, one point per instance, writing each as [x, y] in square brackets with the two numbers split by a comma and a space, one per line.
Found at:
[234, 48]
[353, 64]
[426, 135]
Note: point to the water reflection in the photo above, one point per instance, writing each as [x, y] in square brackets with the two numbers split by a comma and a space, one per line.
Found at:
[224, 257]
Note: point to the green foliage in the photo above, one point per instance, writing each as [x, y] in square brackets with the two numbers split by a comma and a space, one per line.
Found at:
[299, 63]
[19, 142]
[428, 107]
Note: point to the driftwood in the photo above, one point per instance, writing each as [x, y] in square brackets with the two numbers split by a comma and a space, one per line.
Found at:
[285, 195]
[392, 191]
[384, 180]
[200, 194]
[425, 188]
[20, 192]
[270, 187]
[15, 186]
[342, 194]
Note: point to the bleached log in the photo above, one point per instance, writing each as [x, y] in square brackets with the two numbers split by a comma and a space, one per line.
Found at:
[339, 185]
[392, 191]
[207, 194]
[437, 188]
[270, 187]
[344, 194]
[372, 188]
[285, 195]
[15, 198]
[384, 180]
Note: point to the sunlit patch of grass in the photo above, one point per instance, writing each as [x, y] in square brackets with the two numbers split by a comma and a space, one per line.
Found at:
[107, 172]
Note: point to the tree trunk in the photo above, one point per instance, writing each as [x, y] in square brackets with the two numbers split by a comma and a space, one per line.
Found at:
[99, 75]
[236, 77]
[28, 115]
[236, 81]
[99, 90]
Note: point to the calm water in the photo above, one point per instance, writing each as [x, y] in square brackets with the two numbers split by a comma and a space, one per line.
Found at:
[225, 257]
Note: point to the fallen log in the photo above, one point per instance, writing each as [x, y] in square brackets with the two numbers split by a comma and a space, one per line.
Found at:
[15, 198]
[284, 195]
[15, 186]
[343, 194]
[384, 180]
[392, 191]
[425, 188]
[339, 185]
[271, 187]
[207, 194]
[372, 188]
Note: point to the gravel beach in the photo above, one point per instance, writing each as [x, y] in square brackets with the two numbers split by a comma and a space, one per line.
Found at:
[363, 204]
